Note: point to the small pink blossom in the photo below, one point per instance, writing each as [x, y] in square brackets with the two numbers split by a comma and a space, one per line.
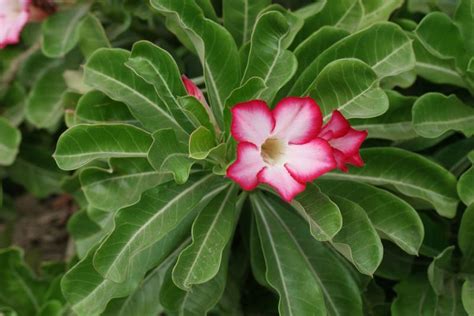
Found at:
[279, 147]
[14, 14]
[344, 140]
[193, 90]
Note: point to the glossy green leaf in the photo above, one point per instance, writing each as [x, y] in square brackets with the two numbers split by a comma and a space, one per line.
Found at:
[322, 214]
[168, 155]
[434, 114]
[311, 267]
[213, 228]
[91, 35]
[239, 17]
[9, 142]
[211, 41]
[378, 10]
[409, 173]
[365, 251]
[393, 218]
[466, 185]
[137, 227]
[121, 185]
[468, 296]
[61, 31]
[44, 106]
[414, 294]
[395, 124]
[157, 67]
[441, 269]
[268, 58]
[106, 71]
[201, 142]
[84, 143]
[466, 239]
[350, 86]
[387, 50]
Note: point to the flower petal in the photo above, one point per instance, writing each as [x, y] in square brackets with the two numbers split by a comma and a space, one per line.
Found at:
[248, 164]
[252, 122]
[280, 179]
[13, 17]
[336, 127]
[192, 89]
[350, 143]
[297, 120]
[308, 161]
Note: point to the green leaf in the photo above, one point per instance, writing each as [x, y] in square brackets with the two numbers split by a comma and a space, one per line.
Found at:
[434, 114]
[201, 142]
[168, 155]
[211, 41]
[396, 264]
[439, 270]
[466, 185]
[91, 35]
[312, 269]
[387, 50]
[106, 71]
[240, 16]
[350, 86]
[35, 170]
[213, 228]
[378, 10]
[157, 67]
[44, 107]
[121, 185]
[465, 239]
[268, 58]
[468, 296]
[409, 173]
[61, 31]
[95, 107]
[365, 251]
[414, 294]
[146, 222]
[82, 144]
[395, 124]
[89, 293]
[322, 214]
[396, 220]
[9, 142]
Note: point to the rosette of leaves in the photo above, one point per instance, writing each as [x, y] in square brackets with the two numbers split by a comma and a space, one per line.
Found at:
[162, 229]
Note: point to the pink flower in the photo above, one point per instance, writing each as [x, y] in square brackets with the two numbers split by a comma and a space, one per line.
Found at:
[14, 15]
[344, 140]
[193, 90]
[279, 147]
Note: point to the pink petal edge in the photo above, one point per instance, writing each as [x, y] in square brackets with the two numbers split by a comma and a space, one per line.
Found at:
[281, 180]
[246, 167]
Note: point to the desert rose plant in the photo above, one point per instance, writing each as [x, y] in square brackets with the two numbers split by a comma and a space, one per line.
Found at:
[301, 158]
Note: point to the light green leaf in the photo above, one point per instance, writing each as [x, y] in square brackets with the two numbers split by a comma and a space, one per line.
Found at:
[61, 31]
[396, 220]
[350, 86]
[434, 114]
[365, 251]
[387, 50]
[409, 173]
[106, 71]
[95, 107]
[440, 271]
[44, 107]
[307, 258]
[91, 35]
[322, 214]
[157, 67]
[201, 142]
[139, 226]
[239, 17]
[168, 155]
[211, 41]
[378, 10]
[466, 239]
[9, 142]
[268, 58]
[466, 185]
[213, 228]
[82, 144]
[121, 185]
[288, 270]
[467, 295]
[395, 124]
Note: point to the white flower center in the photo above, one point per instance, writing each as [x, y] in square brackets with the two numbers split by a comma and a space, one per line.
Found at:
[273, 151]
